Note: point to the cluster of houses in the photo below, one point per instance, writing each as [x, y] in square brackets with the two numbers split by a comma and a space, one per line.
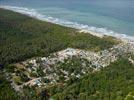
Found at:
[49, 66]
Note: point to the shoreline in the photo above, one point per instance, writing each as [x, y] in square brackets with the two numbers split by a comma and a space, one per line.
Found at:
[124, 40]
[80, 27]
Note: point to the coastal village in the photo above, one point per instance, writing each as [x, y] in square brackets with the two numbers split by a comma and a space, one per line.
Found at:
[47, 71]
[62, 50]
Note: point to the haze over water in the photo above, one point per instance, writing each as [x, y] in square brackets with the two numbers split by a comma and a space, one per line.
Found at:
[115, 15]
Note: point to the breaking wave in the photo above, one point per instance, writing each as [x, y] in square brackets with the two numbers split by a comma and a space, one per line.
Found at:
[34, 13]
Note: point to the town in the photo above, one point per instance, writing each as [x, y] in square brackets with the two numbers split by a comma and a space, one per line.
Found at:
[60, 67]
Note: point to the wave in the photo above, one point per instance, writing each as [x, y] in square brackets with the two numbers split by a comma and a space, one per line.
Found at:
[34, 13]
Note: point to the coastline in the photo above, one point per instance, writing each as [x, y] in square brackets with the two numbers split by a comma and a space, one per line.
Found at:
[43, 57]
[80, 27]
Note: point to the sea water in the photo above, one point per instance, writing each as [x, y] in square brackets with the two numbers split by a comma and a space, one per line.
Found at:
[110, 17]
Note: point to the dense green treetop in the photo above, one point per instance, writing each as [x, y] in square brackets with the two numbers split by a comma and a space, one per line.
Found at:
[23, 37]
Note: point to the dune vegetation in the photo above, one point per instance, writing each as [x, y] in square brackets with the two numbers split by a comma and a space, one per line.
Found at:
[23, 37]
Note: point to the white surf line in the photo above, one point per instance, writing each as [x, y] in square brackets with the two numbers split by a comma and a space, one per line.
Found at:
[99, 32]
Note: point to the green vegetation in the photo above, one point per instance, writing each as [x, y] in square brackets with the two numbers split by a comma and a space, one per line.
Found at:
[115, 82]
[6, 91]
[23, 37]
[75, 65]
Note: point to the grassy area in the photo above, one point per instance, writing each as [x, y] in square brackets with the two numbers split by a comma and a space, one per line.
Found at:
[23, 37]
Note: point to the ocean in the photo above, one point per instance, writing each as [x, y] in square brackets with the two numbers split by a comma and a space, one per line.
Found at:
[109, 17]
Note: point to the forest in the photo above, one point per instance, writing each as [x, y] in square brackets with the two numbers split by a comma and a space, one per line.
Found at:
[115, 82]
[23, 37]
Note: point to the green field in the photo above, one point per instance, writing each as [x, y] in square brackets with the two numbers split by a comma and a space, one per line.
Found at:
[23, 37]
